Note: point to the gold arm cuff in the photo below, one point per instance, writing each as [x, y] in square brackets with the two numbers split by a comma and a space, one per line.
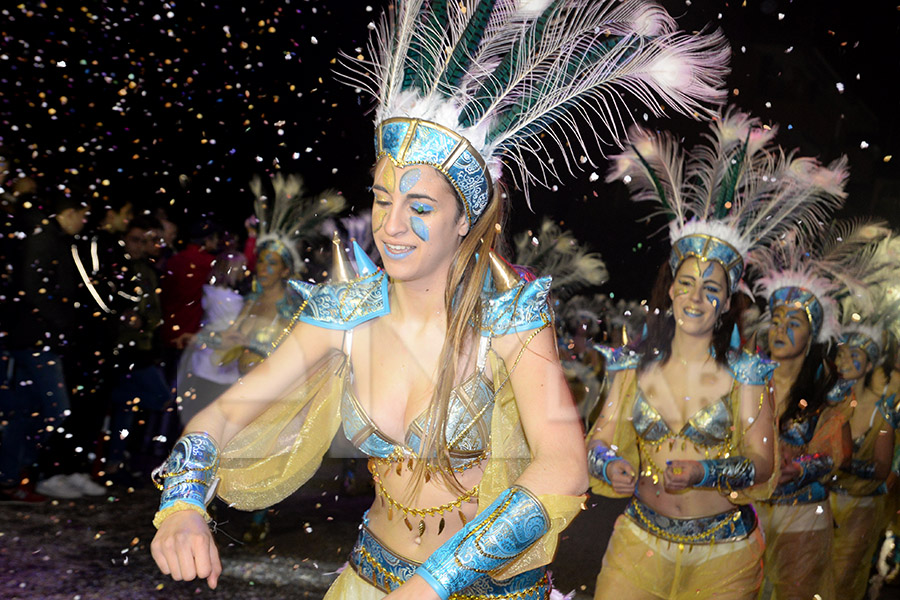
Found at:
[179, 506]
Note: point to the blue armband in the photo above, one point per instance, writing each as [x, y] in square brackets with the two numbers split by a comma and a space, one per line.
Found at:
[599, 458]
[864, 469]
[727, 474]
[187, 478]
[812, 468]
[500, 533]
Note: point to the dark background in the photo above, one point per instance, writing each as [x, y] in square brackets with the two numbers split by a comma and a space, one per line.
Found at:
[180, 103]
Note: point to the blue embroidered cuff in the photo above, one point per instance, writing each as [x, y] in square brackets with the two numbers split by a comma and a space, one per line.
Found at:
[812, 468]
[499, 534]
[599, 458]
[187, 477]
[727, 474]
[864, 469]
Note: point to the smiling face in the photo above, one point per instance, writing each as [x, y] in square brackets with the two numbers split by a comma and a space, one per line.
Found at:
[699, 295]
[790, 334]
[270, 269]
[852, 362]
[417, 222]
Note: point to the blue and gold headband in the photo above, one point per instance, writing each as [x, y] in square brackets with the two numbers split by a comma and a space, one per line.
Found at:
[799, 298]
[418, 142]
[857, 339]
[707, 247]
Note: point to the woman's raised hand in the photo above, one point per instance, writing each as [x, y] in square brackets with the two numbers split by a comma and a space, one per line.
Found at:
[184, 548]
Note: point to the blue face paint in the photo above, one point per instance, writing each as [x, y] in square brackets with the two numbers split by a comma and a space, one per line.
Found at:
[420, 208]
[709, 271]
[409, 179]
[714, 300]
[419, 228]
[790, 334]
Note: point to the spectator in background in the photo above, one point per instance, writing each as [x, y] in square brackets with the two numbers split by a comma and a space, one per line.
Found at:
[40, 332]
[141, 387]
[182, 290]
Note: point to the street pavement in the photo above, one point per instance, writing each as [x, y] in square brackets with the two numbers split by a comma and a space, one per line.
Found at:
[99, 548]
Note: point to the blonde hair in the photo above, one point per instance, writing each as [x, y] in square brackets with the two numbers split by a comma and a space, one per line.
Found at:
[463, 306]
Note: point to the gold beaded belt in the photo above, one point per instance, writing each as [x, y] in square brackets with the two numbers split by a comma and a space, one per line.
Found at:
[729, 526]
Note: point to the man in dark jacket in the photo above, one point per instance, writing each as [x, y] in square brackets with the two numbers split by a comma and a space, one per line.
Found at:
[40, 331]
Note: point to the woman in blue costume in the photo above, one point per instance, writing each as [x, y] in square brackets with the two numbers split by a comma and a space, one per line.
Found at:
[442, 367]
[802, 278]
[859, 491]
[687, 430]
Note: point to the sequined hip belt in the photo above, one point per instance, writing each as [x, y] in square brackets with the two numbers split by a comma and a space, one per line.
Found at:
[376, 564]
[729, 526]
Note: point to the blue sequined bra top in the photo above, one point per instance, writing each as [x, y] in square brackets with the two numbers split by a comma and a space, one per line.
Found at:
[467, 430]
[708, 427]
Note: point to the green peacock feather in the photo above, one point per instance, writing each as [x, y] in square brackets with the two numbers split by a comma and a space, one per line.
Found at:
[730, 182]
[419, 67]
[501, 76]
[461, 57]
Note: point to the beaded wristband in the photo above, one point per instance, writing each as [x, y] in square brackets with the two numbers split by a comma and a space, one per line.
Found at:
[188, 477]
[499, 534]
[599, 458]
[864, 469]
[727, 474]
[812, 468]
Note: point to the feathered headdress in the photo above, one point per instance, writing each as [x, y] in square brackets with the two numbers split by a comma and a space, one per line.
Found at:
[732, 195]
[553, 250]
[463, 85]
[289, 219]
[866, 317]
[815, 272]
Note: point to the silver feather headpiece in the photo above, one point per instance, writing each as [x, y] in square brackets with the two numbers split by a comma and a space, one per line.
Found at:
[735, 194]
[816, 272]
[466, 85]
[288, 218]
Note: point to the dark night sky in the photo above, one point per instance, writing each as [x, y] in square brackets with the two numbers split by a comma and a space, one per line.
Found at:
[180, 103]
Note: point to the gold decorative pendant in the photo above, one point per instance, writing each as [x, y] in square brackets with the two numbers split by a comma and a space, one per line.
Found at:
[408, 524]
[462, 517]
[390, 512]
[441, 526]
[421, 528]
[427, 476]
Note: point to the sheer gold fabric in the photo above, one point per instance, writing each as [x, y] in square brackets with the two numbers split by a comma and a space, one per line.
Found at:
[859, 522]
[639, 565]
[799, 540]
[283, 448]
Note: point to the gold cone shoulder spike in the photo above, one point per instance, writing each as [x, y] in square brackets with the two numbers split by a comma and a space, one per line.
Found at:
[341, 270]
[505, 277]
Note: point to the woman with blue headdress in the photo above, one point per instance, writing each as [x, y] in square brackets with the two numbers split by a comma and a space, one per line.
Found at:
[687, 431]
[802, 279]
[442, 367]
[859, 500]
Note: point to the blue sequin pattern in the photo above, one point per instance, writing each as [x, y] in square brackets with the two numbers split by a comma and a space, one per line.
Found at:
[344, 305]
[798, 297]
[709, 248]
[521, 308]
[750, 369]
[417, 142]
[889, 407]
[840, 391]
[189, 471]
[499, 534]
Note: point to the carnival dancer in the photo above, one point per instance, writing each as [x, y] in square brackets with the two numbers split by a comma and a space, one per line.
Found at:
[860, 492]
[687, 430]
[802, 278]
[442, 367]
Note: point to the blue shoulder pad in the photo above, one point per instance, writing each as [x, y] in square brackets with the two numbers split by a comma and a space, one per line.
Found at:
[521, 308]
[840, 390]
[619, 359]
[750, 368]
[346, 304]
